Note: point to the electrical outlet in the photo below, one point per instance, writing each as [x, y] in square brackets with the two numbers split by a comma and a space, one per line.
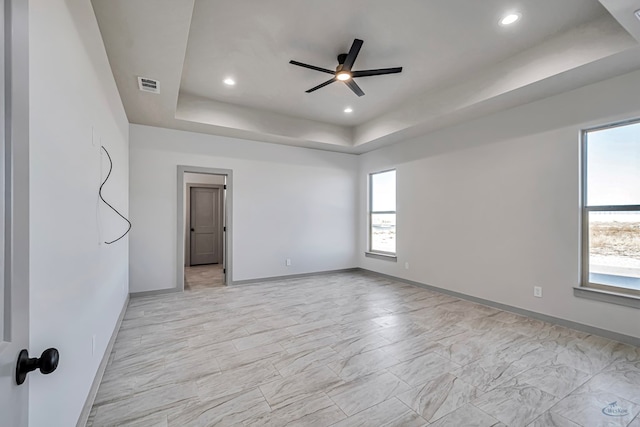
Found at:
[93, 345]
[406, 265]
[537, 291]
[288, 262]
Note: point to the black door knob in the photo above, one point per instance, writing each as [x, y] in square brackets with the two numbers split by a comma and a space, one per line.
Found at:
[193, 229]
[47, 363]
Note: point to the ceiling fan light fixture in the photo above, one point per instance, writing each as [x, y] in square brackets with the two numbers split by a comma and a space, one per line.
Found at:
[510, 18]
[344, 72]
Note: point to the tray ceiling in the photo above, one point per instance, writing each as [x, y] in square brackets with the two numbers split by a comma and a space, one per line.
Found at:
[459, 63]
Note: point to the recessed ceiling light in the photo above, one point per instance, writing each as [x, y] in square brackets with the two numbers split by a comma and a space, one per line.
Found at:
[229, 81]
[348, 110]
[509, 19]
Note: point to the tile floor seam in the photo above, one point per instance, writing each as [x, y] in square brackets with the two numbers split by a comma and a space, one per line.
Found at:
[338, 406]
[486, 413]
[264, 397]
[407, 406]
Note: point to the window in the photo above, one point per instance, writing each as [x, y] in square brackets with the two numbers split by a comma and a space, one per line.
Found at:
[611, 208]
[382, 213]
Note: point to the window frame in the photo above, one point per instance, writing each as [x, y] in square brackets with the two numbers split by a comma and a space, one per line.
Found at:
[585, 209]
[371, 212]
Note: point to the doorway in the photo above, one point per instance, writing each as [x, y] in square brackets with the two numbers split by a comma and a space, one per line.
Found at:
[204, 231]
[204, 222]
[204, 227]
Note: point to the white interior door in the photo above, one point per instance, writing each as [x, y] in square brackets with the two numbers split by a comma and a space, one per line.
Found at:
[14, 226]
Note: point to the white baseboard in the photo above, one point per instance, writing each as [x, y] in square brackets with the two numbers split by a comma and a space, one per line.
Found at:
[93, 391]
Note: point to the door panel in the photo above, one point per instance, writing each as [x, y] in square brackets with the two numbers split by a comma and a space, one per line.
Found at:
[14, 209]
[204, 243]
[205, 214]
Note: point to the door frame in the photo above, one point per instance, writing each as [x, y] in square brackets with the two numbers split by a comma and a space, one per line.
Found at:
[187, 219]
[227, 242]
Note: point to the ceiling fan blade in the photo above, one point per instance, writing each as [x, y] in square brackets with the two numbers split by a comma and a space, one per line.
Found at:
[312, 67]
[354, 87]
[321, 85]
[379, 72]
[352, 55]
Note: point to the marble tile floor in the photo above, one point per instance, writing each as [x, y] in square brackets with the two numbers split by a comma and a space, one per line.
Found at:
[355, 349]
[203, 276]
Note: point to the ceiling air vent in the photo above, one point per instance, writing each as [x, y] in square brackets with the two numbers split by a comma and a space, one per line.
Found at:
[148, 85]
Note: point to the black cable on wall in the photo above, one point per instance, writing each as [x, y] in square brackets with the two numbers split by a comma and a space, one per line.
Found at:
[107, 203]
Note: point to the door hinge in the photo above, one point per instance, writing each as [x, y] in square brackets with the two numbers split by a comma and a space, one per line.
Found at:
[225, 187]
[224, 228]
[224, 271]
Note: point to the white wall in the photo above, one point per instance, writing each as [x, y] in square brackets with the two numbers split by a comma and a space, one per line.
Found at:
[490, 208]
[78, 286]
[287, 203]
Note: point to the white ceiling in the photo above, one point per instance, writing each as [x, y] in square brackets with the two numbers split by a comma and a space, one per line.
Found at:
[458, 62]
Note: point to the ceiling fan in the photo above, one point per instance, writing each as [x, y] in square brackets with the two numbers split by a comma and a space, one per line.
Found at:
[343, 71]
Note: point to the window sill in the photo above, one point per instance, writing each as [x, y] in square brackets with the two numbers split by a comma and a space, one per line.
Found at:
[386, 257]
[606, 296]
